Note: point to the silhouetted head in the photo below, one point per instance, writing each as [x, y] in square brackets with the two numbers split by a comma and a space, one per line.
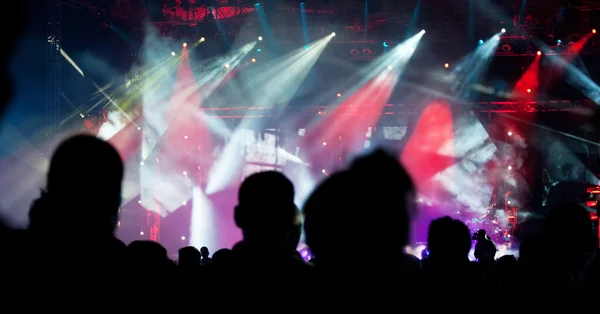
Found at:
[507, 263]
[221, 259]
[366, 206]
[14, 29]
[83, 189]
[144, 255]
[266, 211]
[189, 256]
[480, 235]
[204, 251]
[449, 240]
[569, 227]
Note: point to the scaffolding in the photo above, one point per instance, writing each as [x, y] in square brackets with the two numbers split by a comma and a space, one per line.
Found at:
[53, 66]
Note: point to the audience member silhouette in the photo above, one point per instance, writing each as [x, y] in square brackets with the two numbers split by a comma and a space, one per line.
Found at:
[268, 217]
[367, 207]
[485, 249]
[506, 274]
[14, 29]
[221, 260]
[77, 213]
[147, 257]
[552, 262]
[448, 271]
[205, 259]
[189, 259]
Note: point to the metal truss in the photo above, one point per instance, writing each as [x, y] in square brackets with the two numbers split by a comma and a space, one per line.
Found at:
[239, 112]
[53, 66]
[120, 9]
[180, 15]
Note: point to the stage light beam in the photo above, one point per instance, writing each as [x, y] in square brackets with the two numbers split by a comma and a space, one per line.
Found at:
[184, 45]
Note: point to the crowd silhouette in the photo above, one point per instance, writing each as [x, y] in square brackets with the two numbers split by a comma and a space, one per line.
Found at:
[357, 223]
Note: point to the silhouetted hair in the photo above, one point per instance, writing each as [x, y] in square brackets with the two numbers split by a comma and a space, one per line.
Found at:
[365, 206]
[189, 255]
[148, 254]
[448, 238]
[569, 226]
[83, 189]
[266, 199]
[85, 164]
[204, 251]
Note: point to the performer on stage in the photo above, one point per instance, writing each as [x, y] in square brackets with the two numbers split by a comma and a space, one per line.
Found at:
[485, 249]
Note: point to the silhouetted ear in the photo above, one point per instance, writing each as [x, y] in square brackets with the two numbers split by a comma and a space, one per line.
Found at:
[238, 217]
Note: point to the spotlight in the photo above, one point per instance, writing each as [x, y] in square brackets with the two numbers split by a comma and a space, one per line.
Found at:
[503, 30]
[324, 171]
[594, 31]
[446, 65]
[184, 203]
[333, 34]
[259, 38]
[423, 31]
[227, 66]
[202, 39]
[253, 60]
[142, 233]
[338, 95]
[258, 50]
[183, 238]
[509, 167]
[141, 163]
[173, 53]
[389, 67]
[324, 143]
[185, 137]
[509, 133]
[559, 41]
[529, 90]
[184, 44]
[539, 53]
[385, 44]
[185, 173]
[481, 41]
